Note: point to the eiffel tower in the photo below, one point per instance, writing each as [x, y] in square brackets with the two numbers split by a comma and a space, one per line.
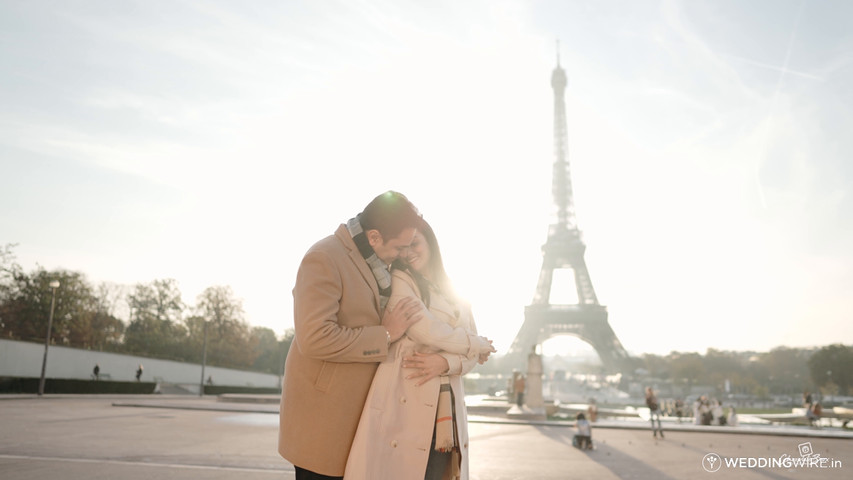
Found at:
[564, 249]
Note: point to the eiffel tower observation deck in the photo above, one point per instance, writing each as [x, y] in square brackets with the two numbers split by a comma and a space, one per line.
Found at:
[564, 250]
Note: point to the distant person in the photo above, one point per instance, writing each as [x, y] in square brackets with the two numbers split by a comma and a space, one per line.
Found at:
[342, 332]
[808, 404]
[654, 411]
[582, 439]
[210, 380]
[702, 411]
[807, 400]
[139, 373]
[732, 420]
[679, 409]
[518, 387]
[96, 372]
[425, 368]
[814, 413]
[718, 418]
[697, 411]
[592, 410]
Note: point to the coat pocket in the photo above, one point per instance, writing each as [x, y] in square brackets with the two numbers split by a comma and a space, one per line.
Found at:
[324, 377]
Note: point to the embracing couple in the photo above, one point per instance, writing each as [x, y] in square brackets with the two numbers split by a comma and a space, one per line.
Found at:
[373, 380]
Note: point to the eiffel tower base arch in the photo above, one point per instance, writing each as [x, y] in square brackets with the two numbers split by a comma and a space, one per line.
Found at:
[586, 322]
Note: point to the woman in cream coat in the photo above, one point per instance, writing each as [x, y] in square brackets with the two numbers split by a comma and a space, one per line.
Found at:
[395, 436]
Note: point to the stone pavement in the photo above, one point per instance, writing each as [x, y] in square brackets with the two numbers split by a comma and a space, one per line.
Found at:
[183, 438]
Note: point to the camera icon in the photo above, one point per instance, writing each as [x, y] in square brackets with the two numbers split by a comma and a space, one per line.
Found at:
[805, 449]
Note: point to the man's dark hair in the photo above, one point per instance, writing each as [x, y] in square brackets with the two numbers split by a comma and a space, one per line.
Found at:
[390, 213]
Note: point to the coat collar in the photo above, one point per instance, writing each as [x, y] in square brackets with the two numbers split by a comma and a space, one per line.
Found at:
[345, 238]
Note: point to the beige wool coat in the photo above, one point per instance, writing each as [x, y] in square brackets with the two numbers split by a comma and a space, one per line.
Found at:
[338, 344]
[396, 427]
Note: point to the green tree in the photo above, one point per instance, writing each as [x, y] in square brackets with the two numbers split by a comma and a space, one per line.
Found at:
[7, 263]
[155, 326]
[761, 392]
[107, 329]
[657, 366]
[688, 368]
[786, 370]
[270, 351]
[833, 365]
[25, 307]
[266, 350]
[721, 366]
[9, 270]
[229, 341]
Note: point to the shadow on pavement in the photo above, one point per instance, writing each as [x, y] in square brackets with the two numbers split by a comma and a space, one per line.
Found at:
[621, 464]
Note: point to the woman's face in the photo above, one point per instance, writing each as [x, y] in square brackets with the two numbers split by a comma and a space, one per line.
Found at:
[419, 254]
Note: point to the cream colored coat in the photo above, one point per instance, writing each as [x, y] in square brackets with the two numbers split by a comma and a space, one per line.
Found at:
[338, 344]
[396, 427]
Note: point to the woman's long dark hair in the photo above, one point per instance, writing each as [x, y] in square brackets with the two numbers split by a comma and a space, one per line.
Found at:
[435, 266]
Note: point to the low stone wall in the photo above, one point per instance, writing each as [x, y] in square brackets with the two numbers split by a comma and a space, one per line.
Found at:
[24, 359]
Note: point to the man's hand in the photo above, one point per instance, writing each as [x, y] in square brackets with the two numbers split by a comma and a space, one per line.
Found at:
[426, 366]
[405, 314]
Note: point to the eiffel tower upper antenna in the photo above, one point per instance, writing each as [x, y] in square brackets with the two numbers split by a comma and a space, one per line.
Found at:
[558, 52]
[562, 179]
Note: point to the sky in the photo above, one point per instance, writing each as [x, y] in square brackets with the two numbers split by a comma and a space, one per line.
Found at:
[213, 142]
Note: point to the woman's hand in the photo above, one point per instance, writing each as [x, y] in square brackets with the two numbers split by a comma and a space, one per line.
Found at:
[426, 366]
[483, 346]
[483, 358]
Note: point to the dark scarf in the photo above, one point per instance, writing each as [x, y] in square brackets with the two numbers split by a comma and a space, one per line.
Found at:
[377, 266]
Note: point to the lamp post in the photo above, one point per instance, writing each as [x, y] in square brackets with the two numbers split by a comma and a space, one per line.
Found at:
[829, 384]
[53, 286]
[203, 360]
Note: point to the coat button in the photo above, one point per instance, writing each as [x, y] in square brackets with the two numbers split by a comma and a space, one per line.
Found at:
[394, 443]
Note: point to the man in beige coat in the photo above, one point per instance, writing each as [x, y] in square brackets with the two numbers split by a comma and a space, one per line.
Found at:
[339, 299]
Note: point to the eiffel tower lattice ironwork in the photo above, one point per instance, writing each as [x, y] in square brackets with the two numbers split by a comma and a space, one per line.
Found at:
[564, 249]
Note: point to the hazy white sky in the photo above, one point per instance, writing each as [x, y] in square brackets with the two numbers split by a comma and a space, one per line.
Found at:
[213, 142]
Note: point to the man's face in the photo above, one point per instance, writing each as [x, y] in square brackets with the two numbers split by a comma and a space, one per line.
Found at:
[393, 248]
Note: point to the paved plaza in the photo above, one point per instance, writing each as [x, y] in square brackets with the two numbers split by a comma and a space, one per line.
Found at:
[183, 438]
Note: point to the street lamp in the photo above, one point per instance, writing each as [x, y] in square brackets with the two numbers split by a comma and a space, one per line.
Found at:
[829, 384]
[53, 286]
[203, 360]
